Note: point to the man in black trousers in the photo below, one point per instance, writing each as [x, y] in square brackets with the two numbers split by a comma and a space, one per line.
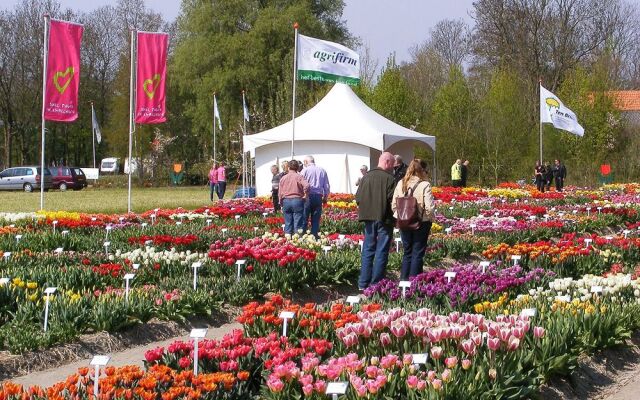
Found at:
[559, 173]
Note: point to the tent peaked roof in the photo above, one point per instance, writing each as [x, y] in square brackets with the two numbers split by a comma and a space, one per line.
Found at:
[340, 116]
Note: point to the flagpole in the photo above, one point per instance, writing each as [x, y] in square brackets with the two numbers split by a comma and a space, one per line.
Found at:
[244, 154]
[295, 78]
[539, 112]
[45, 56]
[214, 127]
[131, 119]
[93, 134]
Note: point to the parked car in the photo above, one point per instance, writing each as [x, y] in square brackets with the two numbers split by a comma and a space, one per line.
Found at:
[24, 178]
[68, 178]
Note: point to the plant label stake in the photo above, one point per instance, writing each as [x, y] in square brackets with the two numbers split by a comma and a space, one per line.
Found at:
[264, 214]
[353, 300]
[107, 229]
[495, 224]
[599, 210]
[153, 219]
[196, 334]
[587, 242]
[58, 251]
[98, 361]
[240, 263]
[64, 233]
[224, 231]
[528, 312]
[626, 233]
[326, 250]
[361, 243]
[447, 230]
[418, 359]
[398, 241]
[127, 279]
[608, 238]
[565, 299]
[336, 388]
[106, 247]
[179, 223]
[136, 266]
[7, 255]
[286, 316]
[588, 211]
[596, 289]
[449, 275]
[516, 259]
[532, 217]
[208, 222]
[195, 267]
[148, 242]
[237, 217]
[144, 225]
[48, 291]
[255, 229]
[94, 219]
[473, 228]
[484, 265]
[404, 285]
[4, 281]
[18, 237]
[54, 223]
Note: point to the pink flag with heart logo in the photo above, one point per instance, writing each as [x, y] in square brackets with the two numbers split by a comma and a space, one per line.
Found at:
[150, 78]
[63, 71]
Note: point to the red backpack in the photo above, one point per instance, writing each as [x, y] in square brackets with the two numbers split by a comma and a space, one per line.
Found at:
[407, 208]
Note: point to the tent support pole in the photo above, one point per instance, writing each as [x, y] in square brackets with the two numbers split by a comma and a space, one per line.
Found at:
[295, 78]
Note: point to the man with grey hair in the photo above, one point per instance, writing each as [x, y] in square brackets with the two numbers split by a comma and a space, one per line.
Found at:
[363, 171]
[374, 197]
[318, 193]
[399, 168]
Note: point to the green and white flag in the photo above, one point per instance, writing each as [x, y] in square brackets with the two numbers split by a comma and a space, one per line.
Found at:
[319, 60]
[553, 111]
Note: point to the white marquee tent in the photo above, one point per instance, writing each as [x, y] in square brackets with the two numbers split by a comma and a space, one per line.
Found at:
[341, 133]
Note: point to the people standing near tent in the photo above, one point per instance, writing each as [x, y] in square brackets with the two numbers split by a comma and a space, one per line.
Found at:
[456, 173]
[222, 181]
[363, 171]
[559, 174]
[318, 193]
[399, 168]
[213, 180]
[414, 238]
[374, 197]
[464, 172]
[539, 173]
[275, 185]
[548, 176]
[293, 192]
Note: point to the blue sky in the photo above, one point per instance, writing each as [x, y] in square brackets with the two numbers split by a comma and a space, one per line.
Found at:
[385, 26]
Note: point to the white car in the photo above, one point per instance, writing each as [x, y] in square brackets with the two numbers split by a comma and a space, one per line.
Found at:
[24, 178]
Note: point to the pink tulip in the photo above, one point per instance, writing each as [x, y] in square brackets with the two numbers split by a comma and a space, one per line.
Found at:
[431, 375]
[320, 386]
[385, 339]
[446, 375]
[350, 340]
[518, 332]
[422, 384]
[436, 352]
[451, 362]
[307, 389]
[513, 343]
[412, 381]
[437, 384]
[538, 332]
[493, 373]
[398, 330]
[469, 347]
[493, 343]
[466, 364]
[275, 384]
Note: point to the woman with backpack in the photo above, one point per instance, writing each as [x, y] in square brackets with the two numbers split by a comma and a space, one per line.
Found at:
[413, 207]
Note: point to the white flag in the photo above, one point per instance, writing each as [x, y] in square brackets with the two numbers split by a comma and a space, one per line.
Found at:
[245, 110]
[319, 60]
[95, 126]
[553, 111]
[216, 112]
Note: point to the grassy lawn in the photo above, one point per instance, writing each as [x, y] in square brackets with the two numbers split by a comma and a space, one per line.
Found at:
[108, 201]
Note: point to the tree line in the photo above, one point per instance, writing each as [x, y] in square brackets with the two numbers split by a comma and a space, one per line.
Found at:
[472, 85]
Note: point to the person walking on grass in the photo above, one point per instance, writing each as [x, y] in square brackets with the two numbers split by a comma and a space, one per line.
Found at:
[464, 173]
[318, 194]
[374, 197]
[293, 192]
[414, 241]
[539, 173]
[275, 185]
[213, 181]
[222, 181]
[559, 174]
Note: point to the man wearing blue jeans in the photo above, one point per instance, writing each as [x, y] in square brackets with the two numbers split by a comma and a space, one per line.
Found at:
[293, 191]
[374, 196]
[318, 193]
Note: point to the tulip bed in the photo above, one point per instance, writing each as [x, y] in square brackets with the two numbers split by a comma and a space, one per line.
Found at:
[497, 330]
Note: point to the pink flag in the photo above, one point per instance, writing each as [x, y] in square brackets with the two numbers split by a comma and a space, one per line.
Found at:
[151, 75]
[63, 71]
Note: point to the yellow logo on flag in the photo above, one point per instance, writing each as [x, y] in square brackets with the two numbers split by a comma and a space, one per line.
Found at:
[57, 81]
[150, 85]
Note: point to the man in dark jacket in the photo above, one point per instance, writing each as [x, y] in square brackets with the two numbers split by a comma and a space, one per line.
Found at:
[399, 168]
[374, 197]
[559, 173]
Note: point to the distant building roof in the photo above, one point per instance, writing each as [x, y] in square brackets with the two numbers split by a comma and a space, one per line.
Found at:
[625, 100]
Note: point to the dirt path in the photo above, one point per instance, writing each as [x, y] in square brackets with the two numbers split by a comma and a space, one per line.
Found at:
[133, 356]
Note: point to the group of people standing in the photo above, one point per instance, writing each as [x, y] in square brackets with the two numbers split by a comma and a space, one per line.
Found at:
[546, 174]
[459, 173]
[217, 181]
[378, 202]
[299, 191]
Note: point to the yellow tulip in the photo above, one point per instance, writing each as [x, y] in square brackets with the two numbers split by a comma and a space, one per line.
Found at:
[32, 285]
